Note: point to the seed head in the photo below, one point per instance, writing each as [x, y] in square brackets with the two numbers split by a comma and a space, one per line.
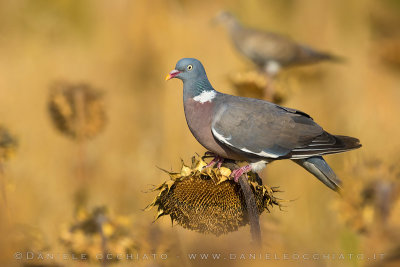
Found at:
[207, 200]
[77, 110]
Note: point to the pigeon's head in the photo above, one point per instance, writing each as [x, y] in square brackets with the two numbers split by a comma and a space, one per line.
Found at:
[227, 19]
[187, 69]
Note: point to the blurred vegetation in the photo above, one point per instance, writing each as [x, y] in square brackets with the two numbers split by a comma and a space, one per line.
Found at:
[126, 48]
[95, 232]
[76, 110]
[8, 144]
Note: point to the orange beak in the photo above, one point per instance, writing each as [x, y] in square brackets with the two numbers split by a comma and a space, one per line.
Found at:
[172, 74]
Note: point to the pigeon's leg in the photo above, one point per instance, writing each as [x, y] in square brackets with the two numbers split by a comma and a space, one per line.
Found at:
[269, 89]
[271, 70]
[216, 160]
[219, 163]
[239, 172]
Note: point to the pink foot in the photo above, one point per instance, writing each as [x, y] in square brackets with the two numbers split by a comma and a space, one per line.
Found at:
[219, 163]
[216, 160]
[239, 172]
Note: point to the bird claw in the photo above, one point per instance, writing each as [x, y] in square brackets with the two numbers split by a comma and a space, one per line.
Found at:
[216, 160]
[239, 172]
[219, 163]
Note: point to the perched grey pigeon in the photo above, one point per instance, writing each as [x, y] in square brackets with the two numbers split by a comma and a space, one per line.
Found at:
[269, 51]
[253, 130]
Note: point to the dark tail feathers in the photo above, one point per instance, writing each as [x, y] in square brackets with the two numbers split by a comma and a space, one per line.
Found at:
[326, 144]
[309, 54]
[349, 142]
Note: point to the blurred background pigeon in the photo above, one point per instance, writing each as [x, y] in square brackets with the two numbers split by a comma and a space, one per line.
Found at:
[269, 51]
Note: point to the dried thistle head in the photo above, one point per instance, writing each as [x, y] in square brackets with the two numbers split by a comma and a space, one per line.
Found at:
[371, 196]
[207, 201]
[254, 84]
[77, 110]
[8, 144]
[96, 231]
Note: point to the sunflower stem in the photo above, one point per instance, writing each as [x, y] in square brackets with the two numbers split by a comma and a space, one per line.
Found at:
[4, 192]
[252, 210]
[251, 206]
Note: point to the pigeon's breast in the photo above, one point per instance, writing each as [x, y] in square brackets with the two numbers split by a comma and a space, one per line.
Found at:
[199, 119]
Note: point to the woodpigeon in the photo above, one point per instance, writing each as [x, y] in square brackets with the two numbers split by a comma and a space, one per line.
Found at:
[269, 51]
[254, 130]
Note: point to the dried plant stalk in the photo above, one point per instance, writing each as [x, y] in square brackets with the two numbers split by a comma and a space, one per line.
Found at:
[8, 145]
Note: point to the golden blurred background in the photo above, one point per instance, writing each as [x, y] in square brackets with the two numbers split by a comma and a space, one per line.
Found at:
[124, 49]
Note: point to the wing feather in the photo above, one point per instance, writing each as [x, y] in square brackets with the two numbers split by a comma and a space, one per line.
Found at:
[262, 129]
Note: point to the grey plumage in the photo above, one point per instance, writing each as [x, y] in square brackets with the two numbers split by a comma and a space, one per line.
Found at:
[270, 51]
[255, 130]
[239, 122]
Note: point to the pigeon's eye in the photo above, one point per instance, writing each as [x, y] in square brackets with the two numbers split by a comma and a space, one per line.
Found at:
[189, 67]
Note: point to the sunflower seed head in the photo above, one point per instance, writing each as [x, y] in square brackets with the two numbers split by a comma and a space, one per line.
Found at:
[206, 200]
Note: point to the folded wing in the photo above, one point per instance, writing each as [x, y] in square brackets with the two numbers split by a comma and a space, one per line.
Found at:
[261, 129]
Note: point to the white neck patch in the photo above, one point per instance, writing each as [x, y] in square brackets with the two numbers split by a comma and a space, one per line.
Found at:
[205, 96]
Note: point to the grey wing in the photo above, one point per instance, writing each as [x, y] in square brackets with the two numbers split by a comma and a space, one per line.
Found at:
[262, 129]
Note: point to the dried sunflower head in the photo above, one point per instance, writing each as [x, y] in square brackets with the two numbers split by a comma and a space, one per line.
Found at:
[254, 84]
[77, 110]
[8, 144]
[207, 201]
